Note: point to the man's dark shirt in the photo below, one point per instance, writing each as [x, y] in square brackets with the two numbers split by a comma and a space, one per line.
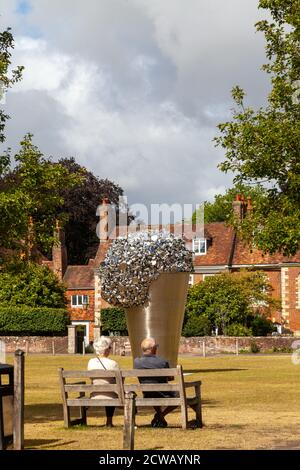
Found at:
[152, 362]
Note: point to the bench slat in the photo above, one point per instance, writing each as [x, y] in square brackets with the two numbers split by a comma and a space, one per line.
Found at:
[149, 373]
[94, 402]
[151, 387]
[92, 388]
[158, 401]
[92, 374]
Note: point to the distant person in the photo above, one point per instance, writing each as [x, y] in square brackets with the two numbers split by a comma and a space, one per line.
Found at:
[102, 349]
[149, 360]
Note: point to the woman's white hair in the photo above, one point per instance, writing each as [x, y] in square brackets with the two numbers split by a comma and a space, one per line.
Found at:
[102, 345]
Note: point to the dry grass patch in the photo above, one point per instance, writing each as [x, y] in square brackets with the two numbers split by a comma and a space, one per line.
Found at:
[250, 402]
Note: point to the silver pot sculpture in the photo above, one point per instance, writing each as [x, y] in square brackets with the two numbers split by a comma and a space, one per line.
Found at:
[161, 317]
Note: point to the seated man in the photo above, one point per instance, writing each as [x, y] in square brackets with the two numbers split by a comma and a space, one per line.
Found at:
[149, 360]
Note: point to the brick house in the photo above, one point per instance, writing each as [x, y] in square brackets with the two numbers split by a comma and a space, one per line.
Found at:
[218, 251]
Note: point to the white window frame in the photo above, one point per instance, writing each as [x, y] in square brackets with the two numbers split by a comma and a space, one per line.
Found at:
[197, 244]
[191, 280]
[83, 303]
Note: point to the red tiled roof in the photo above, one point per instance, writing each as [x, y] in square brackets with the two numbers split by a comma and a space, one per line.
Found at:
[219, 245]
[79, 277]
[244, 255]
[219, 250]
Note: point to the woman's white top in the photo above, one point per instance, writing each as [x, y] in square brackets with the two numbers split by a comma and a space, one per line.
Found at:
[107, 364]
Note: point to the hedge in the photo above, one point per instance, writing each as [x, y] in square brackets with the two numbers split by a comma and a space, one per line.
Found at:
[113, 321]
[28, 321]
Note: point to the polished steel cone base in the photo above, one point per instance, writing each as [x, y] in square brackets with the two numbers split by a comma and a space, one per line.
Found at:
[161, 318]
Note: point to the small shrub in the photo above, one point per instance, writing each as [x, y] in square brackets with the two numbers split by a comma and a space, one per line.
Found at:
[113, 321]
[282, 350]
[197, 326]
[254, 348]
[243, 351]
[261, 326]
[236, 329]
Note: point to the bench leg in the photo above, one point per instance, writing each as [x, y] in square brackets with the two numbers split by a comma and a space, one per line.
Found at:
[67, 420]
[83, 415]
[184, 415]
[198, 409]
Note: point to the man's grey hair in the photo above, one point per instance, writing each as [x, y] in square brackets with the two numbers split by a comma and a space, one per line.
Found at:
[102, 345]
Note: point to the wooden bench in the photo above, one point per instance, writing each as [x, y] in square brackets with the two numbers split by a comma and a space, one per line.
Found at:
[123, 386]
[179, 387]
[84, 401]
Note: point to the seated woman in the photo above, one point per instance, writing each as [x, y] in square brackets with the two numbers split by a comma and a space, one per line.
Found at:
[102, 349]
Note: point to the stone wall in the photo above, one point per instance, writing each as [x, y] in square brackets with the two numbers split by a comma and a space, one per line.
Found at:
[36, 344]
[208, 345]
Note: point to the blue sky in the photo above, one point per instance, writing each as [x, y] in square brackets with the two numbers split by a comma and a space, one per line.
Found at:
[23, 7]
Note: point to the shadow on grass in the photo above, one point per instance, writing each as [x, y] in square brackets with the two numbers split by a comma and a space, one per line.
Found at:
[51, 443]
[45, 412]
[203, 371]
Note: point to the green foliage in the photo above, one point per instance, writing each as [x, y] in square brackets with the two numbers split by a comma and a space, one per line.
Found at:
[26, 321]
[197, 326]
[32, 188]
[227, 299]
[80, 203]
[282, 350]
[113, 321]
[220, 210]
[254, 348]
[236, 329]
[7, 80]
[262, 326]
[31, 285]
[262, 146]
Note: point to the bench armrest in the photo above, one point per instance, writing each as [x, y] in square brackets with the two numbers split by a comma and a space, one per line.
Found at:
[197, 383]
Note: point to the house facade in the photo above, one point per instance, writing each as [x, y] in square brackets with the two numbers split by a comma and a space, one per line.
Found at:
[218, 251]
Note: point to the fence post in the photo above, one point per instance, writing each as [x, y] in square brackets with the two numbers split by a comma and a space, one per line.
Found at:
[53, 347]
[204, 348]
[83, 348]
[19, 400]
[237, 347]
[27, 348]
[129, 421]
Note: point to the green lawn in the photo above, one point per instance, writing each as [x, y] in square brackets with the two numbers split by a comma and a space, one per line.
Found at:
[249, 402]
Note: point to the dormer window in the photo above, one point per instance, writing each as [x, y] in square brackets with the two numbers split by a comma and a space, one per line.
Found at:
[200, 246]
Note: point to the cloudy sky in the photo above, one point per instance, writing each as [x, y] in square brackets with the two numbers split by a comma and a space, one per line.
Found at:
[134, 89]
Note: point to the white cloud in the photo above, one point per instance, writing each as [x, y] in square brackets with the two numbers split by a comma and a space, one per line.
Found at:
[134, 89]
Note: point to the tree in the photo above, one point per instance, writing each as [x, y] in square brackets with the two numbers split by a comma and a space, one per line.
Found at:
[32, 285]
[80, 203]
[229, 298]
[220, 210]
[262, 146]
[6, 81]
[32, 189]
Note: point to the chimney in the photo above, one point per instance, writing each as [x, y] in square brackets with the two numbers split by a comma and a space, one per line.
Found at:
[104, 211]
[59, 252]
[249, 204]
[238, 206]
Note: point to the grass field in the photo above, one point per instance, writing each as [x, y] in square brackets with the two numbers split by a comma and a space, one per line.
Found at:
[249, 402]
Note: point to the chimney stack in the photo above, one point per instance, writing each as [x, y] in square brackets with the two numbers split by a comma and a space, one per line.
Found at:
[104, 213]
[238, 206]
[59, 252]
